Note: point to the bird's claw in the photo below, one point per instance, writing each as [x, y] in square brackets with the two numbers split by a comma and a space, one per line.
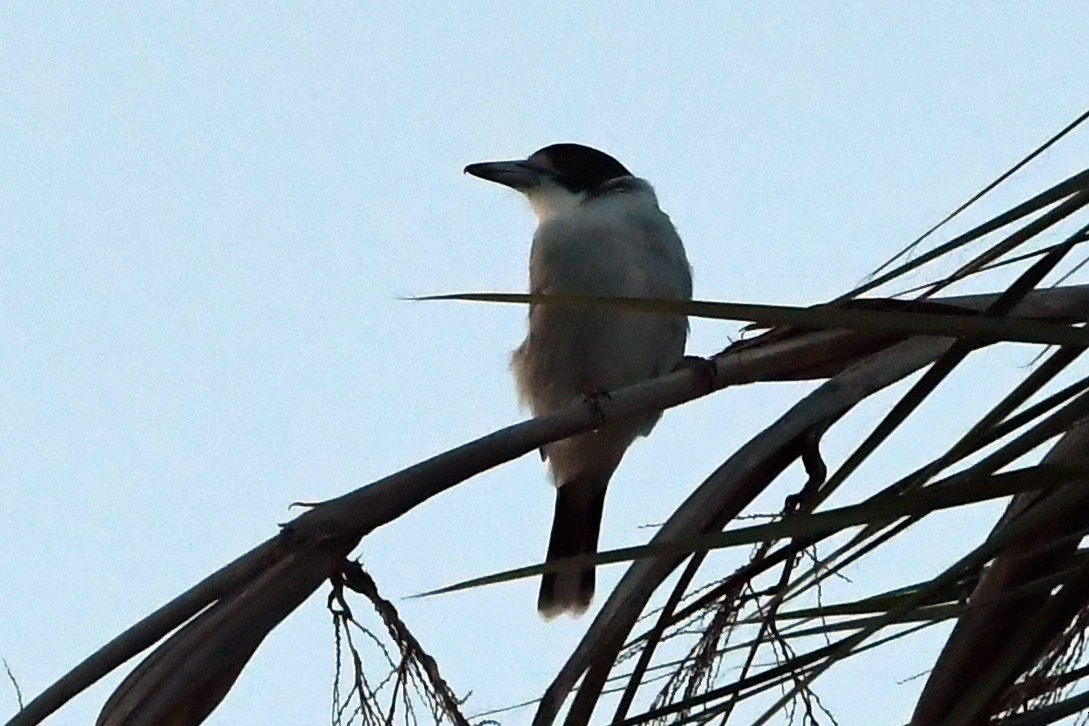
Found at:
[705, 368]
[593, 400]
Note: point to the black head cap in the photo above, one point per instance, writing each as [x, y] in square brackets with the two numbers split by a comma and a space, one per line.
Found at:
[577, 167]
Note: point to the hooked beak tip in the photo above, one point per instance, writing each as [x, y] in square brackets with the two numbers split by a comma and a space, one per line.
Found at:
[514, 174]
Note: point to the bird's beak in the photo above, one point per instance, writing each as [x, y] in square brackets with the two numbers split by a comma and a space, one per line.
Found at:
[514, 174]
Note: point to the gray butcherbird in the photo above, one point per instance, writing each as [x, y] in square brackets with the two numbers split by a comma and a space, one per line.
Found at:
[599, 232]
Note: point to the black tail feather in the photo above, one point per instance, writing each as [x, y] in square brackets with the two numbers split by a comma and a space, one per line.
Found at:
[576, 525]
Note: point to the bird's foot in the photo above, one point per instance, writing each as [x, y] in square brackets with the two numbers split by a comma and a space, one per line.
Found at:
[704, 367]
[593, 400]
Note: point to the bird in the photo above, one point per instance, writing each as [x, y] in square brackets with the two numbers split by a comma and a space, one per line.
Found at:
[600, 232]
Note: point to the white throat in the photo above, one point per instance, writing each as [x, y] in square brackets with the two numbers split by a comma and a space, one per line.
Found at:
[549, 200]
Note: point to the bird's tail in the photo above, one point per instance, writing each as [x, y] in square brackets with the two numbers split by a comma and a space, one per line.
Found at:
[575, 528]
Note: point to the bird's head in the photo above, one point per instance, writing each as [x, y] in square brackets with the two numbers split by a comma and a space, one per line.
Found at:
[556, 178]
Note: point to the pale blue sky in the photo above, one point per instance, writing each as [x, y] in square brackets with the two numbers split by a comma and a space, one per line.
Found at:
[209, 212]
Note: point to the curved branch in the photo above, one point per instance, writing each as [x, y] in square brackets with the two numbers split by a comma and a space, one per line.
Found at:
[975, 651]
[321, 537]
[737, 482]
